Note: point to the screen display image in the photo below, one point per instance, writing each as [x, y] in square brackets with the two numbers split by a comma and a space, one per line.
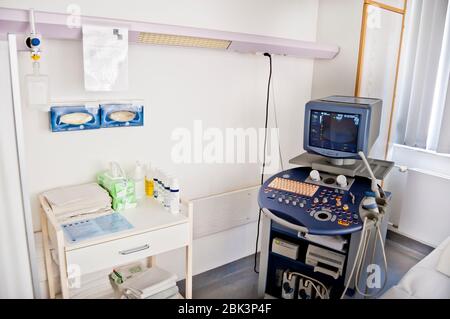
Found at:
[334, 131]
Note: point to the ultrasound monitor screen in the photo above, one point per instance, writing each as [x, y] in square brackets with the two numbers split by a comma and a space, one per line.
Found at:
[334, 131]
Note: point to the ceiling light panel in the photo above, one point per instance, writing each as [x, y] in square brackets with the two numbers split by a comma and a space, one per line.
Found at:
[181, 40]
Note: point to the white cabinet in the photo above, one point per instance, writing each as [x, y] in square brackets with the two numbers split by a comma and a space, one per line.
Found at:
[128, 249]
[155, 231]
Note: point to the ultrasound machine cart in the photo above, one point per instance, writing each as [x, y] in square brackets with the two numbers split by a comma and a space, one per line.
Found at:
[322, 197]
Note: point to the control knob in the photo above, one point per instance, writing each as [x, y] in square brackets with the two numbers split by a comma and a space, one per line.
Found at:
[315, 175]
[341, 180]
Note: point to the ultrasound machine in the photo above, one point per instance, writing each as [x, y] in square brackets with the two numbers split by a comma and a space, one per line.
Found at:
[323, 223]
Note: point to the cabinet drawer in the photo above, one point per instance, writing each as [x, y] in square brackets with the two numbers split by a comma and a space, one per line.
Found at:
[128, 249]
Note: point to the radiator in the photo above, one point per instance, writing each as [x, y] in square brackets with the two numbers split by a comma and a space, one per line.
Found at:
[224, 211]
[422, 198]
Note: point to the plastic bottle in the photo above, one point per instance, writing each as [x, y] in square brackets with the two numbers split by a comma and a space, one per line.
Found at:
[174, 196]
[37, 89]
[155, 183]
[138, 178]
[149, 186]
[166, 199]
[160, 186]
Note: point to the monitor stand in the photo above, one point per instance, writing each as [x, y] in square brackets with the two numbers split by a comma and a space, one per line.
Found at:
[380, 168]
[342, 161]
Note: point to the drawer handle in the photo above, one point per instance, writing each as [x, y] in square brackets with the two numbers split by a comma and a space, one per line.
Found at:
[134, 250]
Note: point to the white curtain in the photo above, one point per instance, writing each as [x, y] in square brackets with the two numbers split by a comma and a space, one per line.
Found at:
[423, 118]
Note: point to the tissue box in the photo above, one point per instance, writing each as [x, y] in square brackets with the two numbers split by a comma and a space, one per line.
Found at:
[74, 118]
[116, 115]
[124, 203]
[122, 191]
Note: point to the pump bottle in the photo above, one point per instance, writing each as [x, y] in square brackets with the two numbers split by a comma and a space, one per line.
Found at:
[138, 178]
[155, 183]
[174, 196]
[149, 186]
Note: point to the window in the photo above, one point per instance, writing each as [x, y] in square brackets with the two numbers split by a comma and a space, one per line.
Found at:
[423, 117]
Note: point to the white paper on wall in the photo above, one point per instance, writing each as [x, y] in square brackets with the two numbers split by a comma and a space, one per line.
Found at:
[105, 58]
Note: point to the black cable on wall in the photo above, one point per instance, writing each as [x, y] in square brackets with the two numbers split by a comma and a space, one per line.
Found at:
[266, 122]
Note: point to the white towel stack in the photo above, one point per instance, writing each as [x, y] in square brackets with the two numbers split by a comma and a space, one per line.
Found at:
[79, 200]
[93, 286]
[152, 283]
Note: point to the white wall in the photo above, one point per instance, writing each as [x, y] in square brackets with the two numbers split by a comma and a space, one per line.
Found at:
[293, 19]
[338, 22]
[14, 260]
[416, 159]
[179, 85]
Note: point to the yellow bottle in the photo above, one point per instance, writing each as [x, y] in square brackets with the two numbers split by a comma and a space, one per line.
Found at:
[149, 185]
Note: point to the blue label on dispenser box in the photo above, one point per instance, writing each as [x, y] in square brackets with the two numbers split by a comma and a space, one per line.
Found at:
[116, 115]
[74, 118]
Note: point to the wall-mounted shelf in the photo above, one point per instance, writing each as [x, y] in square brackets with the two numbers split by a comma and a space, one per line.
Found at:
[54, 26]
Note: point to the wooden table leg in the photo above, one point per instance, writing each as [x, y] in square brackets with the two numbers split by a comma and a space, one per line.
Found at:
[188, 280]
[151, 261]
[47, 257]
[62, 266]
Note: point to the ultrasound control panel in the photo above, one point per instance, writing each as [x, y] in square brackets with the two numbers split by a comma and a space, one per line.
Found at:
[323, 210]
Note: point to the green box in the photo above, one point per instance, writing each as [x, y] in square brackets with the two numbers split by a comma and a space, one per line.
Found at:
[120, 204]
[122, 191]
